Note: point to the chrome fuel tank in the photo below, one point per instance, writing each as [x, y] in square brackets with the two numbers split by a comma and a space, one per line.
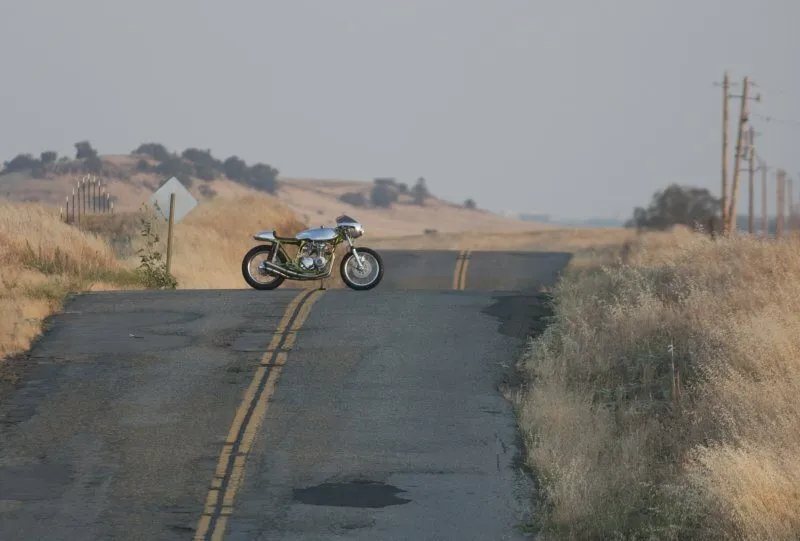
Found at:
[319, 234]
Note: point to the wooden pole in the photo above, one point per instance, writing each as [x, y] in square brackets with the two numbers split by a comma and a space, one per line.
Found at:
[737, 158]
[764, 217]
[169, 229]
[779, 208]
[725, 89]
[750, 180]
[790, 221]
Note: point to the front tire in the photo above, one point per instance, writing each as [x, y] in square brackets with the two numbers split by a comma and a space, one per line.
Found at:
[252, 276]
[351, 275]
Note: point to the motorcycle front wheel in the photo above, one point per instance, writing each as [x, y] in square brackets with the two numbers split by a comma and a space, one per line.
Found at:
[254, 277]
[368, 276]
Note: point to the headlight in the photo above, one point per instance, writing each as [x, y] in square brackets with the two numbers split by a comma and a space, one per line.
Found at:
[355, 231]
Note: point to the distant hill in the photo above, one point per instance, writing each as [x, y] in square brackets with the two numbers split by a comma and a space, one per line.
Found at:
[575, 222]
[387, 207]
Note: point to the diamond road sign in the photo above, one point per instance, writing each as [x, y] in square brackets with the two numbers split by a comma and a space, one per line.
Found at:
[184, 202]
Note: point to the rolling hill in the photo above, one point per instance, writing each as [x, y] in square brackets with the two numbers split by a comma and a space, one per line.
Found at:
[130, 179]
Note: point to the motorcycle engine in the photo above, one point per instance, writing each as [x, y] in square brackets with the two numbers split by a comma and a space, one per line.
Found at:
[313, 256]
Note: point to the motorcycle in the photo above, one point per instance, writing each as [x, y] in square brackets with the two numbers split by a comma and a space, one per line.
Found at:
[361, 268]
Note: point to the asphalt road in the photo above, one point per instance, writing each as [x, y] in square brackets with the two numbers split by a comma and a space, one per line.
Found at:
[282, 415]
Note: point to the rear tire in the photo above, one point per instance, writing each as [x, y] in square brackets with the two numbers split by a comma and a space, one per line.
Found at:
[250, 279]
[372, 258]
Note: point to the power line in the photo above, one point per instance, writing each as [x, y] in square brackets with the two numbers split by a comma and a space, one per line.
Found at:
[776, 120]
[779, 91]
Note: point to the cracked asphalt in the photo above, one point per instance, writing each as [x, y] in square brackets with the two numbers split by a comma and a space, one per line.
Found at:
[282, 415]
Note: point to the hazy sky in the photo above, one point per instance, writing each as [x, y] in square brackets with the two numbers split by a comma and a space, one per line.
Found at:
[574, 108]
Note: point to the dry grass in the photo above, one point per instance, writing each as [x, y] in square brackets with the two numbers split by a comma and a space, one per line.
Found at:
[582, 240]
[317, 202]
[41, 260]
[208, 243]
[632, 442]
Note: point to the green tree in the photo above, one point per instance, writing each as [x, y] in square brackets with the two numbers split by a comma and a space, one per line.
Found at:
[470, 204]
[48, 156]
[234, 168]
[206, 166]
[677, 205]
[419, 192]
[383, 195]
[157, 151]
[263, 177]
[356, 199]
[20, 162]
[93, 164]
[83, 150]
[177, 167]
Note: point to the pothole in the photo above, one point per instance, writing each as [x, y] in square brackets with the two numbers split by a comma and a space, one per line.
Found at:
[364, 494]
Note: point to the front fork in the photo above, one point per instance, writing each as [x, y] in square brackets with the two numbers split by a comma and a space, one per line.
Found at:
[355, 253]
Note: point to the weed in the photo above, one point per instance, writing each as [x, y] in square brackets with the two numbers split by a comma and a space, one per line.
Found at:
[153, 270]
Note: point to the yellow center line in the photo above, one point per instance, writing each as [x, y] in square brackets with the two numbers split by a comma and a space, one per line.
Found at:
[255, 404]
[457, 273]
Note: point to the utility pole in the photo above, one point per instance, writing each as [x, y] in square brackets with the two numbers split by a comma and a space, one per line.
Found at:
[743, 119]
[791, 206]
[781, 177]
[764, 218]
[751, 154]
[725, 88]
[738, 156]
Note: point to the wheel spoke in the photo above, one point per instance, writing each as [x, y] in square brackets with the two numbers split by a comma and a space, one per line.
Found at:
[364, 274]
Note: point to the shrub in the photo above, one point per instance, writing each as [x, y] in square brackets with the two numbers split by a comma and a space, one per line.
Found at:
[156, 151]
[383, 195]
[356, 199]
[152, 269]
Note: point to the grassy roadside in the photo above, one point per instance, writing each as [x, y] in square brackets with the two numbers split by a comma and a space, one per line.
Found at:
[661, 401]
[43, 260]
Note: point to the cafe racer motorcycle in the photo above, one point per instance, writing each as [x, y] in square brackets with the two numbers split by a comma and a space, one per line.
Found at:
[360, 268]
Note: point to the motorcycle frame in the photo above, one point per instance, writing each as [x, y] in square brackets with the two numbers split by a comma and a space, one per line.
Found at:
[293, 262]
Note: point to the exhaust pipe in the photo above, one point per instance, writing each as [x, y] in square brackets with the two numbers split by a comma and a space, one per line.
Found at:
[289, 274]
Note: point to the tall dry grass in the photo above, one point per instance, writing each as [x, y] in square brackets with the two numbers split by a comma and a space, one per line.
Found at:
[579, 240]
[41, 260]
[662, 401]
[208, 244]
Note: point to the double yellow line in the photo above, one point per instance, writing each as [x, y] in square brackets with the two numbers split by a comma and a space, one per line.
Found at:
[249, 415]
[460, 274]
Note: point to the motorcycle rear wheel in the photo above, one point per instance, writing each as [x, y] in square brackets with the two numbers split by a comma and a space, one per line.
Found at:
[253, 280]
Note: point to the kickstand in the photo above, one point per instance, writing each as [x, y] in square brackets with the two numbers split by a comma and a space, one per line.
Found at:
[322, 285]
